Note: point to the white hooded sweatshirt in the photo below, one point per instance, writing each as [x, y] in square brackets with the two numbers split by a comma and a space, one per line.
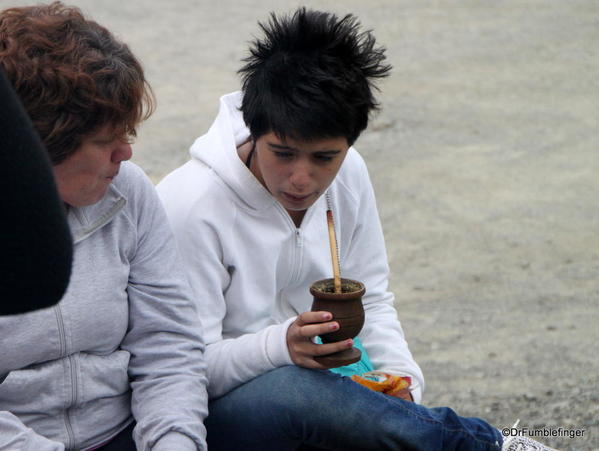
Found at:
[250, 267]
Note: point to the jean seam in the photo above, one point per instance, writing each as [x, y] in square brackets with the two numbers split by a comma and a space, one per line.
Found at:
[416, 414]
[444, 428]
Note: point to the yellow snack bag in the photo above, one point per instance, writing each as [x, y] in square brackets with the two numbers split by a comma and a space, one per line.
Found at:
[383, 382]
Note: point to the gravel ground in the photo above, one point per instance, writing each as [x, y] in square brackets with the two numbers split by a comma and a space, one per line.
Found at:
[484, 162]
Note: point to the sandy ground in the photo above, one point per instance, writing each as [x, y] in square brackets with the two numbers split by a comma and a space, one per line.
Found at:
[485, 164]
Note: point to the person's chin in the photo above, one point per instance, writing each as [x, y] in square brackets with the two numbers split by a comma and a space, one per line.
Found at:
[97, 197]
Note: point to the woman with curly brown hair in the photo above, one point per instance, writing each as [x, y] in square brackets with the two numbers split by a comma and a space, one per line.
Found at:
[119, 359]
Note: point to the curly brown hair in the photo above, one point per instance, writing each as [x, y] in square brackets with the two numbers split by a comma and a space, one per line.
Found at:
[72, 75]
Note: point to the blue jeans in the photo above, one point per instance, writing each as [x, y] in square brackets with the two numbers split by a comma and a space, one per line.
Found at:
[293, 408]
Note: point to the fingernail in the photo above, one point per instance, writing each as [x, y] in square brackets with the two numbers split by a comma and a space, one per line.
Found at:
[350, 343]
[334, 326]
[327, 316]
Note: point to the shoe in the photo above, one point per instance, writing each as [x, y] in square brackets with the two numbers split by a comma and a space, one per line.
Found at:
[521, 443]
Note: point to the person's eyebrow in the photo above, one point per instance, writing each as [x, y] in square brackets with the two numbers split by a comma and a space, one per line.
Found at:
[328, 152]
[320, 152]
[280, 146]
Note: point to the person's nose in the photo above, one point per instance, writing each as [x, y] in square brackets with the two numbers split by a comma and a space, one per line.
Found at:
[122, 152]
[301, 174]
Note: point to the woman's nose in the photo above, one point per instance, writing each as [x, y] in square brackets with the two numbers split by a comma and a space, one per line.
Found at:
[122, 153]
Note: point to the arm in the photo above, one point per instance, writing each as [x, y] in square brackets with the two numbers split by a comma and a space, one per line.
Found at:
[15, 435]
[382, 334]
[169, 399]
[231, 361]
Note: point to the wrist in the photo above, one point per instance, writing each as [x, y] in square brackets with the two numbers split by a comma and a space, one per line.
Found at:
[276, 345]
[174, 440]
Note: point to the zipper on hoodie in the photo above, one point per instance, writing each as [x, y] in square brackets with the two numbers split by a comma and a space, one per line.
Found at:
[74, 381]
[63, 351]
[299, 239]
[297, 254]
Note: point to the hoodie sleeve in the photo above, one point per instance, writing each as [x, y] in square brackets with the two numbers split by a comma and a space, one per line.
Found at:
[382, 334]
[231, 361]
[15, 435]
[167, 369]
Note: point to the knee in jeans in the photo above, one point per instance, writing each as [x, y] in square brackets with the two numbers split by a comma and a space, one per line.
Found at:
[293, 377]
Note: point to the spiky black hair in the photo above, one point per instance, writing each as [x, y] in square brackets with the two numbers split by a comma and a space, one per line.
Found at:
[311, 76]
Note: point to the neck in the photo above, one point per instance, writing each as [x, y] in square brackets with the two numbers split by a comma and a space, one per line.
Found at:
[297, 216]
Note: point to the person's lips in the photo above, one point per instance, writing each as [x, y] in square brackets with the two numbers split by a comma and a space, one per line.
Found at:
[295, 197]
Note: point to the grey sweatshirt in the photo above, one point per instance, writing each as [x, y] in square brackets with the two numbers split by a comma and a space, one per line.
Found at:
[123, 344]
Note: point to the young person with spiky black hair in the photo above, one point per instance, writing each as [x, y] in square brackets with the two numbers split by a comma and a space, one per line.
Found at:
[248, 212]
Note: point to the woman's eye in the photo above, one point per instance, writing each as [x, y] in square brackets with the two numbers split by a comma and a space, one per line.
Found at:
[126, 139]
[104, 141]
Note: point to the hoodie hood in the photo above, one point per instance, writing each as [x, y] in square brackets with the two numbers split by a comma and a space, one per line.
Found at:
[217, 149]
